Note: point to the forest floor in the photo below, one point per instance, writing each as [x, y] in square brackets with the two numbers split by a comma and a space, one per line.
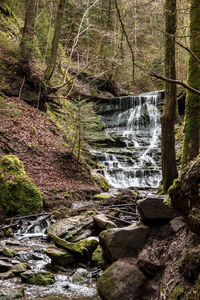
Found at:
[35, 139]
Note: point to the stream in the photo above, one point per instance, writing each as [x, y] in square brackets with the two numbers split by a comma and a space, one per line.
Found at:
[130, 159]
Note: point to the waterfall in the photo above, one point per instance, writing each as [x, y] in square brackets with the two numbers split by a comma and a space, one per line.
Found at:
[136, 120]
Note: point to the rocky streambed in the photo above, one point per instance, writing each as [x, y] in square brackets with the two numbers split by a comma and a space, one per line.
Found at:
[106, 251]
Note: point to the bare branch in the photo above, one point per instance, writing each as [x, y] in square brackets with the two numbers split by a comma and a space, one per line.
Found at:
[187, 87]
[188, 50]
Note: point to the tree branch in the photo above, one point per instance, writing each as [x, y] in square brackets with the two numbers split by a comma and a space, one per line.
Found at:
[188, 50]
[187, 87]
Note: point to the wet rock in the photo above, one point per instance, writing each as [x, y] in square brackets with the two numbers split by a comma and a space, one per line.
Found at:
[103, 222]
[38, 277]
[7, 252]
[7, 275]
[97, 257]
[4, 266]
[100, 181]
[90, 243]
[153, 211]
[123, 242]
[72, 227]
[122, 280]
[19, 195]
[11, 293]
[60, 257]
[76, 238]
[81, 250]
[18, 269]
[81, 276]
[107, 141]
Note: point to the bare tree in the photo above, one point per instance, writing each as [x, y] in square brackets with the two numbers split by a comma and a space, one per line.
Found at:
[169, 169]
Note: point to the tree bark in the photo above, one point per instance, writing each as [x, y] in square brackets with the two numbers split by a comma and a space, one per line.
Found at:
[55, 41]
[191, 147]
[27, 41]
[169, 169]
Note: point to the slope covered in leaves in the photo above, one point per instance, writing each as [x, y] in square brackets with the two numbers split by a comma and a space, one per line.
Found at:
[29, 134]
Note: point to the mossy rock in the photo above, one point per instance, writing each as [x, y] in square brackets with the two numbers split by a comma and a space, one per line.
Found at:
[60, 257]
[100, 180]
[102, 196]
[38, 277]
[97, 257]
[78, 250]
[18, 194]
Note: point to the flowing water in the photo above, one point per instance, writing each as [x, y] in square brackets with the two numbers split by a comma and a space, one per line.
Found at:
[136, 121]
[133, 123]
[29, 243]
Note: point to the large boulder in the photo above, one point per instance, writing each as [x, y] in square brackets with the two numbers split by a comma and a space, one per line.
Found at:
[153, 210]
[100, 180]
[122, 280]
[123, 242]
[18, 194]
[185, 195]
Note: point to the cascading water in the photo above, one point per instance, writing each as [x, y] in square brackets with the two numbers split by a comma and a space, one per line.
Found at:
[136, 121]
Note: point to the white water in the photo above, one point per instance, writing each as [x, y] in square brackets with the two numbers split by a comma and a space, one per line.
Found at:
[137, 121]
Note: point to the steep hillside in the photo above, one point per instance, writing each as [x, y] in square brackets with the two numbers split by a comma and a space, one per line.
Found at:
[29, 134]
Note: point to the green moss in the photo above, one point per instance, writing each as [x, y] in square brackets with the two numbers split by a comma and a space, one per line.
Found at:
[97, 257]
[100, 181]
[7, 252]
[18, 194]
[176, 293]
[77, 249]
[40, 278]
[102, 196]
[176, 185]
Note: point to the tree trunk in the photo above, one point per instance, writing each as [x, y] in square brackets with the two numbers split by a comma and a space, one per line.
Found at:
[169, 169]
[27, 41]
[55, 41]
[191, 147]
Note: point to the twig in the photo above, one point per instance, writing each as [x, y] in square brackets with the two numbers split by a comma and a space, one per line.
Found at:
[22, 85]
[125, 212]
[28, 216]
[118, 219]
